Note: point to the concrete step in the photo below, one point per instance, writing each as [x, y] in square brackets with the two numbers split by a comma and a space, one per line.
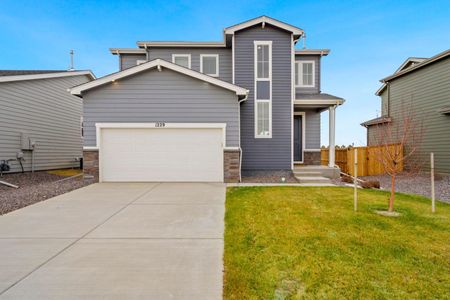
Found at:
[313, 179]
[307, 173]
[324, 171]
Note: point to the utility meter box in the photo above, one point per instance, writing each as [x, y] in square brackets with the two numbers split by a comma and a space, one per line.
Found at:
[26, 142]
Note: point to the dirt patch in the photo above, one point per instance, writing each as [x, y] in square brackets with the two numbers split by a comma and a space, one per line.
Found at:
[268, 177]
[35, 187]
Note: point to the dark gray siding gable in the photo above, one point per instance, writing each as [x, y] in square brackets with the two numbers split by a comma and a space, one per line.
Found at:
[165, 96]
[130, 60]
[275, 152]
[45, 111]
[225, 64]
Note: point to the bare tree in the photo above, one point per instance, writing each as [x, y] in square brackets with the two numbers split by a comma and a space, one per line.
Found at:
[399, 140]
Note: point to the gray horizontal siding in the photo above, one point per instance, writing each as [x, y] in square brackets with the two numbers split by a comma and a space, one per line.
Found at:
[225, 64]
[273, 153]
[130, 60]
[312, 129]
[46, 112]
[164, 96]
[316, 88]
[428, 90]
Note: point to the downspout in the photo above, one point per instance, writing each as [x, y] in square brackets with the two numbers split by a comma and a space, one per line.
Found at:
[240, 149]
[388, 99]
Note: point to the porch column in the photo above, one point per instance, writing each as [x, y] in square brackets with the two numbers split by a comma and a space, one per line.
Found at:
[331, 125]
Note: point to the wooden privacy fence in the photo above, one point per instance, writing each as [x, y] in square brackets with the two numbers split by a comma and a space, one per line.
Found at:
[368, 159]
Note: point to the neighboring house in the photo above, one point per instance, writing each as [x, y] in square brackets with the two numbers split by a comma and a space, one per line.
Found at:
[204, 111]
[40, 118]
[422, 85]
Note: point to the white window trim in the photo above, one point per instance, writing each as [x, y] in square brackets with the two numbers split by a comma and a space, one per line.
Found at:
[217, 64]
[140, 62]
[269, 43]
[182, 55]
[255, 108]
[300, 70]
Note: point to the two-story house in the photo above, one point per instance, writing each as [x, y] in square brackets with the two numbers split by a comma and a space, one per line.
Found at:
[204, 111]
[419, 87]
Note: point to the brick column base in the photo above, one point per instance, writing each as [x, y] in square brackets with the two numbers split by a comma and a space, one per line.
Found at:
[231, 165]
[311, 158]
[90, 163]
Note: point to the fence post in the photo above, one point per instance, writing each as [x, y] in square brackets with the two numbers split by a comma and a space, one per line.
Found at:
[355, 180]
[433, 207]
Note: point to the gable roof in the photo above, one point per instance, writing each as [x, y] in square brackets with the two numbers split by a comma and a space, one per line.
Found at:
[158, 63]
[409, 62]
[27, 72]
[20, 75]
[422, 64]
[264, 20]
[377, 121]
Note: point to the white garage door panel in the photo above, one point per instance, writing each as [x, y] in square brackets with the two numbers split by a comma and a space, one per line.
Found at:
[161, 154]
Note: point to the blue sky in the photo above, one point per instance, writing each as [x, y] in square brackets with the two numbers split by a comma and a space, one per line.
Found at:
[368, 39]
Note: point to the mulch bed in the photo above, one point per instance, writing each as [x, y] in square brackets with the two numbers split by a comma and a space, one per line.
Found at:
[413, 184]
[268, 177]
[35, 187]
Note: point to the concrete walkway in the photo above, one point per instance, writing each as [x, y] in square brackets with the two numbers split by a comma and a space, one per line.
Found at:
[116, 241]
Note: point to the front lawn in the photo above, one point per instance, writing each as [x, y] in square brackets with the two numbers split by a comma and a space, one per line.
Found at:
[306, 242]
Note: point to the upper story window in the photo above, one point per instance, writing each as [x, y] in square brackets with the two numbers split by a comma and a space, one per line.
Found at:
[304, 73]
[263, 89]
[209, 64]
[263, 57]
[183, 60]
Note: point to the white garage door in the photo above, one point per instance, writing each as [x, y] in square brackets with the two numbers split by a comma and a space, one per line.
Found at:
[161, 154]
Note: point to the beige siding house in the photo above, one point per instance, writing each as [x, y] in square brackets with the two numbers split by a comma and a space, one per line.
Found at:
[423, 85]
[40, 119]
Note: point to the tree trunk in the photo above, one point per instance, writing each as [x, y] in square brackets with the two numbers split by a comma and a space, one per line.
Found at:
[392, 198]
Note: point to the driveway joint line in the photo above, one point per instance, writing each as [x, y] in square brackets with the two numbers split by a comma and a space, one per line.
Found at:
[77, 240]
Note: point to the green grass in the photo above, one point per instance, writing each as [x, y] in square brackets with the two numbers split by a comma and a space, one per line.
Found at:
[307, 243]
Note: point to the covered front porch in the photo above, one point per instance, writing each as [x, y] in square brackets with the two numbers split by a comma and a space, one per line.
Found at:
[306, 135]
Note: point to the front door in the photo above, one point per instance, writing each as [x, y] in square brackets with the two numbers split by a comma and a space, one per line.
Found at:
[298, 144]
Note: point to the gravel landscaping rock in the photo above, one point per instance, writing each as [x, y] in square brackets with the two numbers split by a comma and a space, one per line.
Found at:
[35, 187]
[419, 184]
[268, 177]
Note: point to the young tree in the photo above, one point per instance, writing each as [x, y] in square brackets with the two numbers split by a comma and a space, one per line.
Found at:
[399, 140]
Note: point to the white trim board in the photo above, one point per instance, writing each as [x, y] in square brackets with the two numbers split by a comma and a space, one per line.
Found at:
[174, 56]
[158, 126]
[256, 79]
[300, 70]
[319, 102]
[158, 63]
[146, 44]
[45, 76]
[216, 56]
[118, 51]
[264, 20]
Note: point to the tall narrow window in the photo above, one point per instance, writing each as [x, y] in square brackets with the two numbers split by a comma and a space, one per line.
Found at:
[183, 60]
[304, 73]
[263, 89]
[209, 64]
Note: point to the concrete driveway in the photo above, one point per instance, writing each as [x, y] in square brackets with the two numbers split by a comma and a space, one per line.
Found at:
[116, 241]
